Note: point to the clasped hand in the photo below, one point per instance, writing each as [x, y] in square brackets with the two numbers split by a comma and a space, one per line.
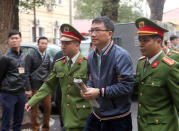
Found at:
[90, 94]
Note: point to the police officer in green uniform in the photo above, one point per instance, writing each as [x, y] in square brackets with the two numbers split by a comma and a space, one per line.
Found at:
[75, 109]
[157, 81]
[174, 39]
[170, 52]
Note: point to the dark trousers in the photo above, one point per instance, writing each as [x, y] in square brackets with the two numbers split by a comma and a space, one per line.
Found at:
[120, 124]
[12, 106]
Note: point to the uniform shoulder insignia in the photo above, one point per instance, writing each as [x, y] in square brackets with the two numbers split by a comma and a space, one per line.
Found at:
[85, 57]
[169, 61]
[169, 54]
[141, 58]
[176, 52]
[60, 59]
[169, 46]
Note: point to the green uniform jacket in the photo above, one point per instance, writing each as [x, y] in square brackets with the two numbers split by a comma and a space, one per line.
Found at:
[75, 109]
[173, 54]
[158, 95]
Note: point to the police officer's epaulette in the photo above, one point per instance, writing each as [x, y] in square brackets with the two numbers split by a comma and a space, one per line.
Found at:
[85, 57]
[175, 51]
[60, 59]
[141, 58]
[170, 47]
[169, 61]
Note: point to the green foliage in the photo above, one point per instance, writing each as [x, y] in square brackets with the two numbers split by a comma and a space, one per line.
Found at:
[88, 9]
[128, 10]
[30, 4]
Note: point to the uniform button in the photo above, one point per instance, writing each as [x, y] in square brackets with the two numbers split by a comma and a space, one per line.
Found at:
[84, 106]
[141, 94]
[156, 121]
[152, 84]
[68, 86]
[140, 105]
[142, 82]
[68, 104]
[139, 116]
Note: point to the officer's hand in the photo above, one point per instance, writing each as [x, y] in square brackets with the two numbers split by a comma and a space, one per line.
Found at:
[28, 93]
[27, 107]
[91, 93]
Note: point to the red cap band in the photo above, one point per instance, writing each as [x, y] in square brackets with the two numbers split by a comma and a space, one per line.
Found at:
[71, 35]
[150, 30]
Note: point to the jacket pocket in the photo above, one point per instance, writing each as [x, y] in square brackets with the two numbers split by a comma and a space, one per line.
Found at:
[153, 83]
[157, 120]
[83, 110]
[60, 75]
[79, 76]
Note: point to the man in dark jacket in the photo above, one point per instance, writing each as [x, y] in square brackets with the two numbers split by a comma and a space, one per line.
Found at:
[12, 83]
[110, 80]
[38, 68]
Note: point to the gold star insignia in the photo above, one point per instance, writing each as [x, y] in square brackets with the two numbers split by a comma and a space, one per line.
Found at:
[66, 29]
[141, 24]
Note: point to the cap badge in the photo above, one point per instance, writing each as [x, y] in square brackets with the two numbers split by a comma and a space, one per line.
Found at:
[66, 29]
[141, 24]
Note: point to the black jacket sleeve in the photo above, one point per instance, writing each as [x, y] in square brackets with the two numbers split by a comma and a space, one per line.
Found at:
[3, 67]
[28, 63]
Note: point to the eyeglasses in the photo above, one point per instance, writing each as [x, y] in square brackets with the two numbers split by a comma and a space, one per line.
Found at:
[96, 31]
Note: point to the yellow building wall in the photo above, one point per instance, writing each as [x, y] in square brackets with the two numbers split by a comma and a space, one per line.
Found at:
[47, 20]
[176, 22]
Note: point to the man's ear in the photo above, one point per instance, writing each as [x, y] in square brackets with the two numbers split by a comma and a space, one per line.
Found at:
[77, 45]
[110, 33]
[159, 41]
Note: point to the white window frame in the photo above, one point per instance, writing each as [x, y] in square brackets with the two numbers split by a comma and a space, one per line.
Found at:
[57, 38]
[59, 2]
[37, 32]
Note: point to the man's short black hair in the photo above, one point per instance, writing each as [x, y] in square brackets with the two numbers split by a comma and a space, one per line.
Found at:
[42, 37]
[172, 37]
[108, 23]
[14, 32]
[157, 36]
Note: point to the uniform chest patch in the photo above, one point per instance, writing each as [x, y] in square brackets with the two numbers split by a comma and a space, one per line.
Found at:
[59, 70]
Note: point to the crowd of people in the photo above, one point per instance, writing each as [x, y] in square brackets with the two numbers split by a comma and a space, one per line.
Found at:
[107, 73]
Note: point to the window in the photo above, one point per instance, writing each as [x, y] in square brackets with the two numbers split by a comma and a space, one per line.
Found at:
[59, 2]
[56, 36]
[40, 31]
